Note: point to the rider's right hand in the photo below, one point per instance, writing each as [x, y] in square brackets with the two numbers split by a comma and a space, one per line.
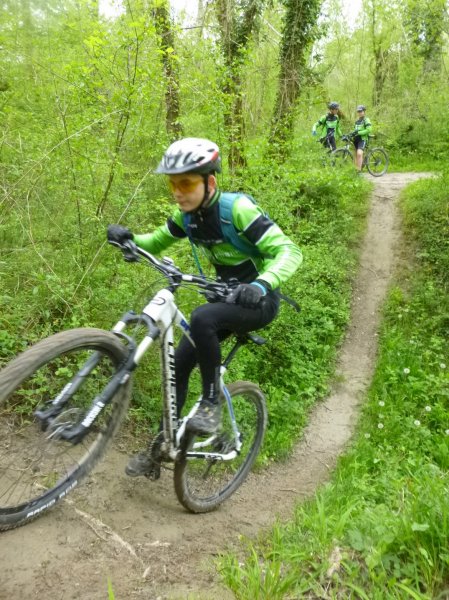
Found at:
[119, 234]
[313, 132]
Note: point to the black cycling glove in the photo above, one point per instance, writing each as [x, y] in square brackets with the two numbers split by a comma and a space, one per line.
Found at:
[247, 295]
[119, 234]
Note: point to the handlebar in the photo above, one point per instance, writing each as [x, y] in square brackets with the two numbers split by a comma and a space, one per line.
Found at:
[348, 136]
[214, 291]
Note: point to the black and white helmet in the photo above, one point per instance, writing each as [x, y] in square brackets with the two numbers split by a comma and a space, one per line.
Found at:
[333, 105]
[191, 155]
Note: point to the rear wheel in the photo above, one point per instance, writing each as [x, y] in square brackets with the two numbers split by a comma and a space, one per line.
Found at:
[37, 467]
[377, 162]
[203, 482]
[341, 157]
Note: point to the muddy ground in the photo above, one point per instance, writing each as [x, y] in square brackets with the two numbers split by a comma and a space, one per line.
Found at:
[134, 532]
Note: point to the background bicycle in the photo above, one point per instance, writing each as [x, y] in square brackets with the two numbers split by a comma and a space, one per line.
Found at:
[62, 400]
[327, 145]
[375, 159]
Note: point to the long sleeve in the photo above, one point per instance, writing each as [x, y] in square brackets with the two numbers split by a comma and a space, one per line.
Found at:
[364, 129]
[320, 123]
[160, 239]
[281, 256]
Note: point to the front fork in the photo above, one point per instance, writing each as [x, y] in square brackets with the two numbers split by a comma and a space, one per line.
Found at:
[76, 433]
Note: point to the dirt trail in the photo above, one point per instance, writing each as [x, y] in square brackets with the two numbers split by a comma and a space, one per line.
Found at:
[137, 535]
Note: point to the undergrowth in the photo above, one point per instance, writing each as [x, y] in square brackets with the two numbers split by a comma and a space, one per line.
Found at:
[379, 529]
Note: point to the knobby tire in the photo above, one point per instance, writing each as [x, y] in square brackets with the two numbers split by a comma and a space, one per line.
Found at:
[201, 485]
[377, 162]
[36, 468]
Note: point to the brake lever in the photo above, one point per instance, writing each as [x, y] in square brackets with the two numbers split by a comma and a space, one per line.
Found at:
[216, 292]
[128, 250]
[130, 256]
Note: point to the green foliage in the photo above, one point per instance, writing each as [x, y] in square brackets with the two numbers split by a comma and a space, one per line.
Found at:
[111, 595]
[300, 30]
[380, 528]
[82, 104]
[427, 218]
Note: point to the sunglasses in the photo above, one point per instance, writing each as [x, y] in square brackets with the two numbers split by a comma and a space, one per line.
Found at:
[185, 185]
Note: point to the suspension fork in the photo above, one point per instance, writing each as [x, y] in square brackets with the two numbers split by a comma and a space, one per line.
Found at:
[76, 434]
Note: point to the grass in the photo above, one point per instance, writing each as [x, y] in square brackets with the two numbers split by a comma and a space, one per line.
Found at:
[379, 529]
[411, 162]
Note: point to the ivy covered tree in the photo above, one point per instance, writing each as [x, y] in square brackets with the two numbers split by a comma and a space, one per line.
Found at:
[299, 32]
[238, 20]
[166, 35]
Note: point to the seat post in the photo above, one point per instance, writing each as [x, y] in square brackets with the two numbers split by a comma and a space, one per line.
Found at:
[239, 342]
[242, 339]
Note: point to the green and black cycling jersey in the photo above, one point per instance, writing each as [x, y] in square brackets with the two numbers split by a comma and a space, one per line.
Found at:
[279, 259]
[328, 124]
[363, 128]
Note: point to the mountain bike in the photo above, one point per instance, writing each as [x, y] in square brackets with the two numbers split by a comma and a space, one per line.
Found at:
[327, 145]
[63, 399]
[374, 159]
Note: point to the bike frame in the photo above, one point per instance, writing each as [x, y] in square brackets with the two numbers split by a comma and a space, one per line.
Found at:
[160, 316]
[350, 146]
[164, 314]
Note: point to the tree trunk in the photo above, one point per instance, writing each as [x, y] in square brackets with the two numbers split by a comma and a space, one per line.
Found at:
[164, 29]
[379, 62]
[427, 23]
[298, 34]
[237, 21]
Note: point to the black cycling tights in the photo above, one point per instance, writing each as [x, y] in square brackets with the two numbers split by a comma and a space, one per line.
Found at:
[210, 324]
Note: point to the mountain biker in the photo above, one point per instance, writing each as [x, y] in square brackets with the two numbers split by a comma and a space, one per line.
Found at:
[329, 125]
[191, 165]
[360, 135]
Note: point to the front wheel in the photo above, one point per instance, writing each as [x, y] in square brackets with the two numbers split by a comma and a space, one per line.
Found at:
[204, 478]
[377, 162]
[341, 157]
[37, 466]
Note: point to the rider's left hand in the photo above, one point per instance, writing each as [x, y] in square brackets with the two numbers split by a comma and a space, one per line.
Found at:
[247, 295]
[119, 234]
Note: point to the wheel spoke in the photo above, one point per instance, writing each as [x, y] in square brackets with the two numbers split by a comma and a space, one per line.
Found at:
[202, 483]
[36, 465]
[377, 162]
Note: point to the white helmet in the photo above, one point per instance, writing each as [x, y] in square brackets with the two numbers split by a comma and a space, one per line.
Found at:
[191, 155]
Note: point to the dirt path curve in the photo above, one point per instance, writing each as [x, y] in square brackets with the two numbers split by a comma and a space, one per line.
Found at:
[136, 534]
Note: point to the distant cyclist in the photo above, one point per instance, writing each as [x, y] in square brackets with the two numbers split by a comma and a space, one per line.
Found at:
[329, 126]
[360, 135]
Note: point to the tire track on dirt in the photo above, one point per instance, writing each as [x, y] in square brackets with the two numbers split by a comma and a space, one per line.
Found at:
[135, 534]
